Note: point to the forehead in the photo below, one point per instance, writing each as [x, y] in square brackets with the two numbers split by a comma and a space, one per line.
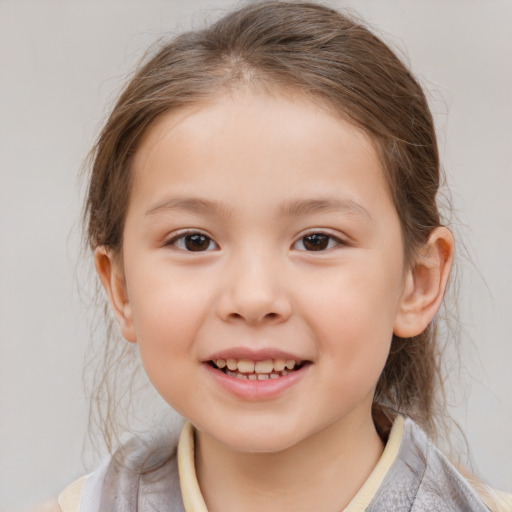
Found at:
[244, 144]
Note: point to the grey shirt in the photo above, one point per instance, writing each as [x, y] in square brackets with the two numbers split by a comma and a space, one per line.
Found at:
[143, 477]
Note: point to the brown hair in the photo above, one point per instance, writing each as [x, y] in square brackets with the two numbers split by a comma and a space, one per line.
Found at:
[334, 60]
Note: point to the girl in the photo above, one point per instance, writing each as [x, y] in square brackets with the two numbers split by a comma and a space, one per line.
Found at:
[262, 210]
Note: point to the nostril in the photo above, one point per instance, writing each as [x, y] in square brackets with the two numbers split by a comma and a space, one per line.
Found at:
[267, 316]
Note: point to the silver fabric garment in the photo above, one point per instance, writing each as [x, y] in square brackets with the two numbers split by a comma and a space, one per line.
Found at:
[422, 479]
[143, 477]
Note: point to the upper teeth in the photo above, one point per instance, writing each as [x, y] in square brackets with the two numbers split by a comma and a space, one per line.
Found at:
[248, 366]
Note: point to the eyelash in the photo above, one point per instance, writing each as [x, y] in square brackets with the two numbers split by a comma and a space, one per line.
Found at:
[324, 237]
[180, 241]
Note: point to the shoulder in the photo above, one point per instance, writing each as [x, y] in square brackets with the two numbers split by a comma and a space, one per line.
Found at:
[441, 484]
[444, 482]
[50, 506]
[143, 473]
[70, 498]
[496, 501]
[82, 495]
[421, 479]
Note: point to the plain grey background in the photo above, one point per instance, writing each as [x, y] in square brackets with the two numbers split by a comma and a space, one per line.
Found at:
[61, 63]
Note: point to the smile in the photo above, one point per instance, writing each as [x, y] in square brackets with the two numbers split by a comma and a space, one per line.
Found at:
[256, 370]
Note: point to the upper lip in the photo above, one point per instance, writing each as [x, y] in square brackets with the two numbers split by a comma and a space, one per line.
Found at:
[254, 354]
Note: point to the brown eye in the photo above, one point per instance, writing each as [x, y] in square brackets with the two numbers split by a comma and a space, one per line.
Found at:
[197, 242]
[193, 242]
[316, 242]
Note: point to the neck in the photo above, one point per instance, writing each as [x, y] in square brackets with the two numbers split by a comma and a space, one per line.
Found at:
[322, 472]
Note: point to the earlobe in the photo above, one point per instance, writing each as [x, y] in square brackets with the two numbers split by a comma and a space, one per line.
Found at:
[111, 275]
[425, 285]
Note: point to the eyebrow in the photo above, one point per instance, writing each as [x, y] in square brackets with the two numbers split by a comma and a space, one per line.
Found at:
[308, 206]
[295, 208]
[191, 204]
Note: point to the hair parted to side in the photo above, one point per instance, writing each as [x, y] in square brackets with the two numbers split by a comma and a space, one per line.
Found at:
[318, 53]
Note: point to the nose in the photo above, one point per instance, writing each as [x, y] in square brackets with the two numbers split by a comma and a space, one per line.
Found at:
[254, 292]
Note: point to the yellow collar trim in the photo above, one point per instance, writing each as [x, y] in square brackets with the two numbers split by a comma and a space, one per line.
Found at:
[194, 502]
[365, 495]
[190, 492]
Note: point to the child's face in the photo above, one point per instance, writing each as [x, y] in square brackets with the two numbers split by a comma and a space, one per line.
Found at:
[261, 228]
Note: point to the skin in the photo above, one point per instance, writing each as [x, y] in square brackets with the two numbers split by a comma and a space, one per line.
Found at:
[257, 159]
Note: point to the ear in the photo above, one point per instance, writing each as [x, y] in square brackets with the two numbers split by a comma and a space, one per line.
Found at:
[425, 284]
[111, 274]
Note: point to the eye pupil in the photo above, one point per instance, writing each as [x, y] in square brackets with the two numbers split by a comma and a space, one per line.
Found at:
[197, 242]
[316, 242]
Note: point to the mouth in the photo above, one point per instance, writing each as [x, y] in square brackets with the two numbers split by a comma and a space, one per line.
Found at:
[248, 369]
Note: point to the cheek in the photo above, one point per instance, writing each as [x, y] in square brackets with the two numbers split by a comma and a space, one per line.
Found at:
[164, 321]
[166, 333]
[166, 304]
[357, 340]
[167, 313]
[352, 315]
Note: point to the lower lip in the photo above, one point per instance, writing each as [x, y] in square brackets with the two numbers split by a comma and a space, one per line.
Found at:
[254, 390]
